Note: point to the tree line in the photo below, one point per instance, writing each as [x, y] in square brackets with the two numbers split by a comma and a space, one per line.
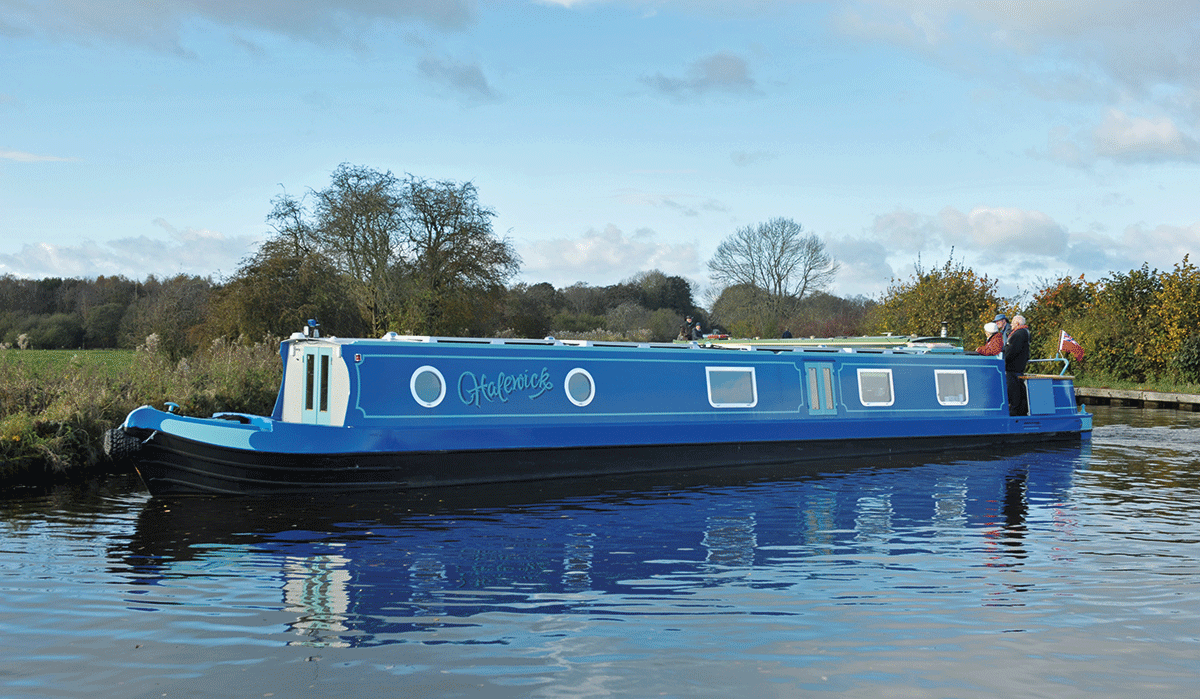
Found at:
[105, 312]
[188, 312]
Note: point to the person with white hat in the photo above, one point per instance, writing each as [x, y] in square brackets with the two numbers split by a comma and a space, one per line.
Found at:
[995, 341]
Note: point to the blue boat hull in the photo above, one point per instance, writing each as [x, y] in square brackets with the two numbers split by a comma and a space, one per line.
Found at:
[173, 465]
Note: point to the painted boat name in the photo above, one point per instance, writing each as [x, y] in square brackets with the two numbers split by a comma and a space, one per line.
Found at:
[473, 390]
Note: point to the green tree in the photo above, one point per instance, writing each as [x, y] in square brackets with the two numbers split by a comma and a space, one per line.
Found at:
[582, 299]
[744, 310]
[825, 315]
[1122, 325]
[57, 331]
[627, 319]
[372, 253]
[662, 291]
[1133, 326]
[1175, 315]
[275, 291]
[663, 325]
[357, 226]
[174, 309]
[953, 294]
[1063, 304]
[567, 322]
[448, 256]
[530, 309]
[102, 325]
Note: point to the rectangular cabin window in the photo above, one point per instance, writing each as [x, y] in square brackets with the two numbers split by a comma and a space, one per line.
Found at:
[819, 377]
[731, 387]
[324, 383]
[875, 387]
[310, 375]
[951, 386]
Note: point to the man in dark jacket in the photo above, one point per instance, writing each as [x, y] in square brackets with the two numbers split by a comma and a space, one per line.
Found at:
[685, 330]
[1016, 359]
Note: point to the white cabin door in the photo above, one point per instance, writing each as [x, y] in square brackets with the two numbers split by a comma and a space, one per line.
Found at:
[315, 408]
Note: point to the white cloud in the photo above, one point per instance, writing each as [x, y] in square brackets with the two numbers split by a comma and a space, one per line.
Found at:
[1125, 138]
[998, 232]
[1005, 231]
[1135, 44]
[21, 157]
[864, 268]
[1096, 253]
[746, 158]
[605, 257]
[1019, 248]
[1014, 246]
[1163, 245]
[721, 72]
[1064, 148]
[466, 79]
[194, 251]
[157, 25]
[1135, 56]
[906, 231]
[683, 204]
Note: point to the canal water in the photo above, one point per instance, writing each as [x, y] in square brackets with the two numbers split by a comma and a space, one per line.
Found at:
[1064, 572]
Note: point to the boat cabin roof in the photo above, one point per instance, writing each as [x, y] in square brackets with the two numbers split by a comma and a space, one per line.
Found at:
[880, 344]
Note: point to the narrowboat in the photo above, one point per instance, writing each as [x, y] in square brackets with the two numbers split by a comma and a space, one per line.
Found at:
[403, 412]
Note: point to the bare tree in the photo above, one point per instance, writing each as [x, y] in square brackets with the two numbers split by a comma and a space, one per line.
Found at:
[294, 234]
[776, 257]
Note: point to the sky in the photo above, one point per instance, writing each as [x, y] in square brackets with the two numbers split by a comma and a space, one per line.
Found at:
[1025, 140]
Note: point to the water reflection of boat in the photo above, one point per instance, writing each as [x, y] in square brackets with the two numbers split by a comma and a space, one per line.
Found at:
[403, 412]
[358, 571]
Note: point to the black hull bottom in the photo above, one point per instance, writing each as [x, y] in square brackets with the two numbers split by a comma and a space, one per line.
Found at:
[170, 465]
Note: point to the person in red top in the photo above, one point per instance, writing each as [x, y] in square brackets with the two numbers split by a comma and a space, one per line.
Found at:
[995, 341]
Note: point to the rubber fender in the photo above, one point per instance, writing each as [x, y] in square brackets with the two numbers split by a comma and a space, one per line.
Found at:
[118, 445]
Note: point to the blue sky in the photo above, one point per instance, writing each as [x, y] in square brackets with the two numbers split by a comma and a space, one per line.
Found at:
[1035, 139]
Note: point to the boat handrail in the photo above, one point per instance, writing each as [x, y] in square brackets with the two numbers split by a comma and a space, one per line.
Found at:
[1065, 363]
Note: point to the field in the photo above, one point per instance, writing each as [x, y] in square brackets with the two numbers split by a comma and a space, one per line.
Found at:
[109, 362]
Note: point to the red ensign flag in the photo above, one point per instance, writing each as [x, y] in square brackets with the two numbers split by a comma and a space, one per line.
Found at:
[1067, 344]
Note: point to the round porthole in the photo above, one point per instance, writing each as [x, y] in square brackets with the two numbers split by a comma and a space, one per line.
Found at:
[580, 387]
[428, 386]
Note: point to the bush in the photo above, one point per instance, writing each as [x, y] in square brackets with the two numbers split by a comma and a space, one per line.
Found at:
[953, 294]
[1187, 359]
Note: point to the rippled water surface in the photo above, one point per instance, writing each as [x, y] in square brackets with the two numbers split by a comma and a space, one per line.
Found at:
[1065, 572]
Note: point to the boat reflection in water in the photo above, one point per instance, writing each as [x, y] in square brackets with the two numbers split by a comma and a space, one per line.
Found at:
[351, 572]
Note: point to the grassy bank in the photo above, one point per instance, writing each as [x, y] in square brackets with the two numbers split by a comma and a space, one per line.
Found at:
[55, 405]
